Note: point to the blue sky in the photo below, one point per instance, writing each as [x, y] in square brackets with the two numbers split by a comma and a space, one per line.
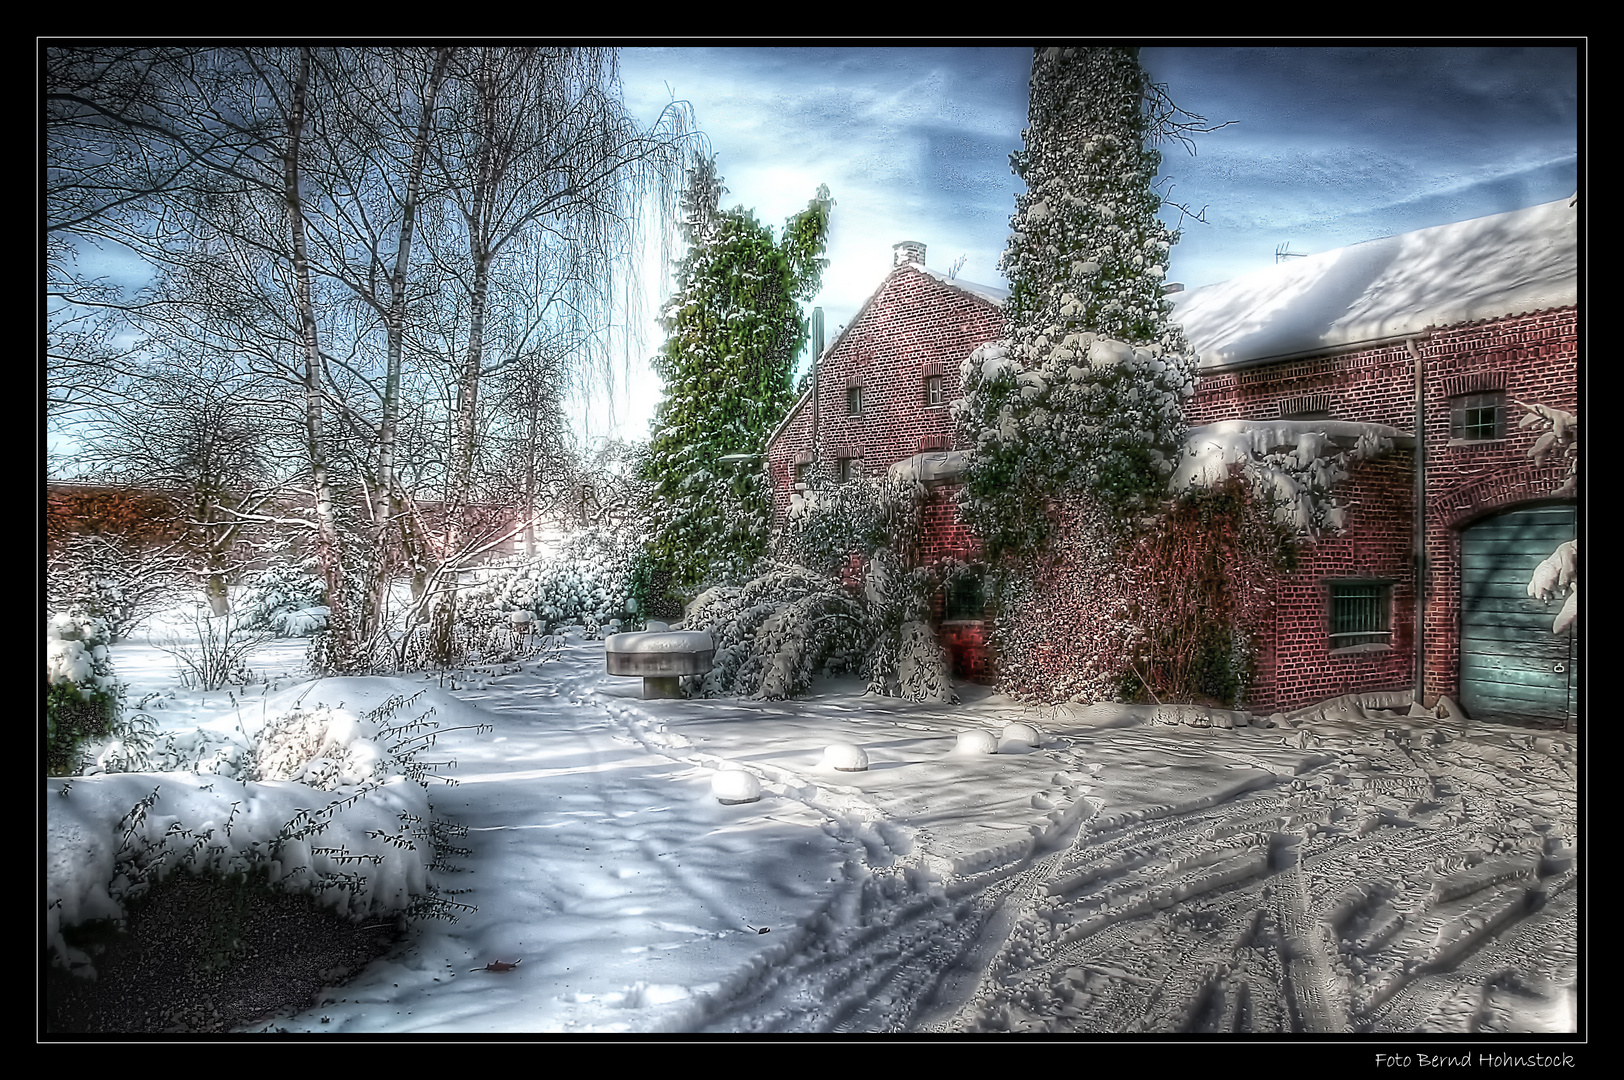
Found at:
[1329, 146]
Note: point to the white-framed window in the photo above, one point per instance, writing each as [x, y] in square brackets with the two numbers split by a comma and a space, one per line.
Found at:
[933, 389]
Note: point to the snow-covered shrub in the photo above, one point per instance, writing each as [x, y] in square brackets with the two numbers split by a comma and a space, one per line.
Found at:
[82, 699]
[323, 747]
[1559, 430]
[1291, 466]
[777, 633]
[587, 584]
[285, 600]
[1557, 575]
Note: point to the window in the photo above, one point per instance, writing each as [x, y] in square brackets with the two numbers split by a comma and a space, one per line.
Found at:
[933, 389]
[854, 401]
[847, 470]
[1361, 614]
[1478, 417]
[803, 473]
[965, 598]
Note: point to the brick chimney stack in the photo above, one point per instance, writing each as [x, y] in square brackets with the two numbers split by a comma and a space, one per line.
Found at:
[909, 251]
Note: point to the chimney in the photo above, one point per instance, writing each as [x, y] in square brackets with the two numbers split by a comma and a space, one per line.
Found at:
[909, 251]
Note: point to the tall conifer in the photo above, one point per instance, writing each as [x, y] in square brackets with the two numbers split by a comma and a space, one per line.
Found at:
[734, 330]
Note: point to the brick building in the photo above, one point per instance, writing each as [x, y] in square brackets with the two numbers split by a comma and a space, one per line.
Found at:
[1476, 319]
[1486, 313]
[881, 404]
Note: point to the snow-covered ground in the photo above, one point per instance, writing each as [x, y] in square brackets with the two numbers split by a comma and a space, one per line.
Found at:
[1351, 870]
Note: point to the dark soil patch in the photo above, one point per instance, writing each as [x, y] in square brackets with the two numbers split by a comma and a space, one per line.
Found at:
[209, 954]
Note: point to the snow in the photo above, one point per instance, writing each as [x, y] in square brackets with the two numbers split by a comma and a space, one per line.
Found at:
[1490, 267]
[735, 785]
[1295, 463]
[845, 757]
[659, 642]
[1094, 854]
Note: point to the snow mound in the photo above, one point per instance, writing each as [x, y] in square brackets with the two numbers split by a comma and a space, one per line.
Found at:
[1023, 734]
[733, 785]
[975, 742]
[845, 757]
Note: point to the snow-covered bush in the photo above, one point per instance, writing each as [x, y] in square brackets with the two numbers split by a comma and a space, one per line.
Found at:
[1291, 466]
[778, 632]
[1559, 430]
[323, 747]
[285, 600]
[587, 584]
[1557, 576]
[82, 698]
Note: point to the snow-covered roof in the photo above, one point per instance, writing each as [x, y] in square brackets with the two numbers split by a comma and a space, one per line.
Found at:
[991, 293]
[931, 465]
[1485, 268]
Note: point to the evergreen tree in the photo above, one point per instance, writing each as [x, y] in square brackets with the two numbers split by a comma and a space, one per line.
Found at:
[734, 330]
[1085, 394]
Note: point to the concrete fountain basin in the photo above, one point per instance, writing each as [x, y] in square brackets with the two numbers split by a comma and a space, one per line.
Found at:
[660, 658]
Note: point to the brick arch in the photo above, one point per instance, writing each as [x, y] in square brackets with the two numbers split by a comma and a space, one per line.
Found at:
[1460, 504]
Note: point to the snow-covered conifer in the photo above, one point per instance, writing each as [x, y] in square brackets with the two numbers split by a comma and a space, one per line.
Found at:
[1086, 393]
[734, 329]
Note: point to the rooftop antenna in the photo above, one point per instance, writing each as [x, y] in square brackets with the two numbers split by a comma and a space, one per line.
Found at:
[1284, 252]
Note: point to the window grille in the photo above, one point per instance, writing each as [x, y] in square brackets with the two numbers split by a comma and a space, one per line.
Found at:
[1361, 614]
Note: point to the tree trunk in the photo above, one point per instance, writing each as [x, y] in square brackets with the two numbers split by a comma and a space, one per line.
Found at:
[343, 655]
[388, 508]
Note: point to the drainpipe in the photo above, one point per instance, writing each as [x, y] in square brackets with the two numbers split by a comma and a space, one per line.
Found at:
[1420, 528]
[817, 357]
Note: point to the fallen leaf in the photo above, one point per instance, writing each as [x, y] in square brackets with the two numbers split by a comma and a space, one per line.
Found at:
[499, 965]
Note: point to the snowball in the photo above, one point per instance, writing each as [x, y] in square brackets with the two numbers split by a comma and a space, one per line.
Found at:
[845, 757]
[733, 785]
[1022, 733]
[975, 742]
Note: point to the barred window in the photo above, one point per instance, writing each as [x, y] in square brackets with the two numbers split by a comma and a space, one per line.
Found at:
[1477, 417]
[1361, 613]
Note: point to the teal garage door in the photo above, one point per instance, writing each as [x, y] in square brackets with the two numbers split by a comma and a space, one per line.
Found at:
[1512, 665]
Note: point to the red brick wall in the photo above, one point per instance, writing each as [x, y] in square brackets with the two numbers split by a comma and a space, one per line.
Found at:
[1533, 358]
[913, 327]
[914, 324]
